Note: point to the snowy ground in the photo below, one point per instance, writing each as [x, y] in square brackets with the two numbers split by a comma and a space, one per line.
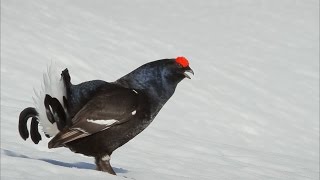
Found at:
[251, 112]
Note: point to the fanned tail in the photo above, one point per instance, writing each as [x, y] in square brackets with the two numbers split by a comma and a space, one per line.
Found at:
[53, 92]
[51, 107]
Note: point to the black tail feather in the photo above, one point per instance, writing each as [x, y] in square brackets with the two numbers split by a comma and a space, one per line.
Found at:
[34, 131]
[67, 81]
[23, 119]
[47, 135]
[58, 113]
[55, 112]
[47, 101]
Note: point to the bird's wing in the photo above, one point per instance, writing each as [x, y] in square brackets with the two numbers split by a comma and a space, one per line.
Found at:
[111, 105]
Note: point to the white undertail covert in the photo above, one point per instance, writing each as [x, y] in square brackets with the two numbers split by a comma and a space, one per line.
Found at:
[54, 86]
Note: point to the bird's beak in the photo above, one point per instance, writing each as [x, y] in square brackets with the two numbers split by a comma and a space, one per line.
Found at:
[188, 70]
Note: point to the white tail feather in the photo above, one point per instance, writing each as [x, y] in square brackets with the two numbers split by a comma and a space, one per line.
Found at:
[54, 86]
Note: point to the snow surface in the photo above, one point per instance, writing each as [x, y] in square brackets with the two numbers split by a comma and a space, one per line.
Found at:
[250, 112]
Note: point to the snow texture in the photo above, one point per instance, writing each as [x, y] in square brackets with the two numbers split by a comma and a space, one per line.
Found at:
[250, 112]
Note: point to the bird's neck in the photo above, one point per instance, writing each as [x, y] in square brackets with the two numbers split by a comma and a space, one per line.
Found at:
[153, 83]
[158, 91]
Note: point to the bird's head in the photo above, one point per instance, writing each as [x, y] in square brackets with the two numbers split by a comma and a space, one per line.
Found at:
[160, 74]
[178, 69]
[158, 78]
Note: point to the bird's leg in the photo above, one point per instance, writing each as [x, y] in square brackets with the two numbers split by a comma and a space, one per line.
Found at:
[103, 164]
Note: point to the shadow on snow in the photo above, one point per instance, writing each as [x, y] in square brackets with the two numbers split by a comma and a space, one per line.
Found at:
[79, 165]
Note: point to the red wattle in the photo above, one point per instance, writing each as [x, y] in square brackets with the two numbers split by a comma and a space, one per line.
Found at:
[182, 61]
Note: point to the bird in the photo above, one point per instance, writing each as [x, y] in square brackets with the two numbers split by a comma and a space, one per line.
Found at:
[96, 117]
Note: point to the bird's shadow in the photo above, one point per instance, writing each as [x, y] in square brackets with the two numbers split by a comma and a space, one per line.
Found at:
[79, 165]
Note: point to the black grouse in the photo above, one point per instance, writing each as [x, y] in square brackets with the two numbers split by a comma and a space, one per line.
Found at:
[94, 118]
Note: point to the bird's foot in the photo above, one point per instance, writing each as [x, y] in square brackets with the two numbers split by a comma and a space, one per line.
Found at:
[103, 164]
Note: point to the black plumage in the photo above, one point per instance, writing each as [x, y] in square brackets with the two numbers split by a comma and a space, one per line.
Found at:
[97, 117]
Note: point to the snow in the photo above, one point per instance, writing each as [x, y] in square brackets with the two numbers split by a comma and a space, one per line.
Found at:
[251, 111]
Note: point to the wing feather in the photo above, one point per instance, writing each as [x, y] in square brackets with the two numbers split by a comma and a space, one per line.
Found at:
[112, 105]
